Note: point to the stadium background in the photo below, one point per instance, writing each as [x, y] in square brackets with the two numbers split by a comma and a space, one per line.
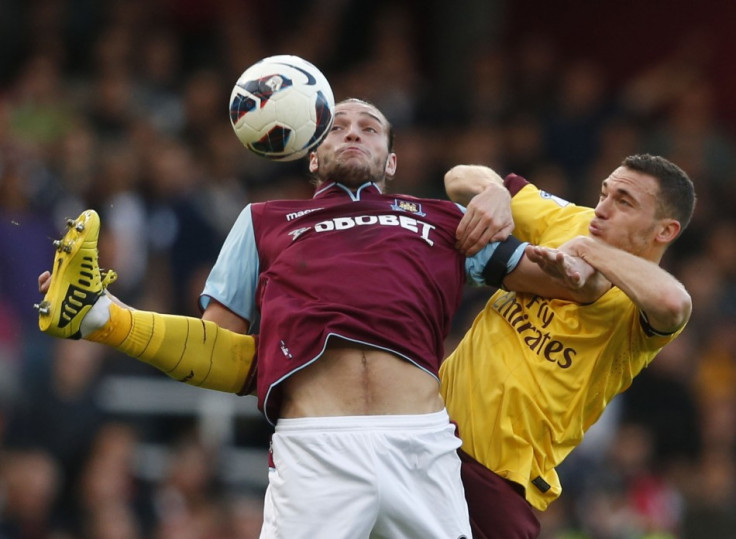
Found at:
[121, 106]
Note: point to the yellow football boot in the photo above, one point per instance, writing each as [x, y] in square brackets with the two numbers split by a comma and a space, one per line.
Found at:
[76, 279]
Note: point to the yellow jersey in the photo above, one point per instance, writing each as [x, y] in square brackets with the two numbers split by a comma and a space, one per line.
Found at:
[533, 374]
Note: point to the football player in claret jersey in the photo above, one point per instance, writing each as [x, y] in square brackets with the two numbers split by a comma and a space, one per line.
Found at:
[352, 293]
[533, 374]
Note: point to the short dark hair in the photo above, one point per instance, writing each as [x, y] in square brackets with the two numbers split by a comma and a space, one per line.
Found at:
[390, 128]
[676, 198]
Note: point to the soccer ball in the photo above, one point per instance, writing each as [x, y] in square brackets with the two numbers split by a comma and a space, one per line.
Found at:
[282, 107]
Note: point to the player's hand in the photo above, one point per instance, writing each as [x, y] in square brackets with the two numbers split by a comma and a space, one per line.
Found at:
[44, 281]
[571, 270]
[488, 219]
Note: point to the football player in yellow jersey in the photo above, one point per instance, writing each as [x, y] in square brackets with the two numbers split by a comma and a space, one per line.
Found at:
[533, 374]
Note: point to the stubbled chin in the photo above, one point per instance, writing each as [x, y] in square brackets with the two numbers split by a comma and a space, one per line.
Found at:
[352, 176]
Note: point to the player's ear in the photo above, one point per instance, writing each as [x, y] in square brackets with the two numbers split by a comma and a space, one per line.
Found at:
[390, 168]
[668, 230]
[313, 163]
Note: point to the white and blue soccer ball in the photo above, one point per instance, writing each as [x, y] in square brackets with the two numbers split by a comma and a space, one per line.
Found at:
[282, 107]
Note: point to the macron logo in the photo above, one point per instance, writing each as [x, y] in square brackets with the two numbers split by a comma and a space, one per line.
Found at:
[296, 214]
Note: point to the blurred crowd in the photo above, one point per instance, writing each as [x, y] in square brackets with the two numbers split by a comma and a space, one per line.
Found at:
[122, 106]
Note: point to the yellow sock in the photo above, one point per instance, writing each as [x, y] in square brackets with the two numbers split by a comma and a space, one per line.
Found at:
[187, 349]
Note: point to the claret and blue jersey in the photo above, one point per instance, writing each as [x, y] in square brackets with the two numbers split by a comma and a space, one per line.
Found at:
[369, 267]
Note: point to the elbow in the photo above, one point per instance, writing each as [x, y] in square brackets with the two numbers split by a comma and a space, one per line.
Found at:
[453, 190]
[682, 308]
[457, 171]
[587, 296]
[676, 309]
[463, 182]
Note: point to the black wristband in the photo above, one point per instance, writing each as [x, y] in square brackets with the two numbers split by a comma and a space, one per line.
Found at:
[496, 268]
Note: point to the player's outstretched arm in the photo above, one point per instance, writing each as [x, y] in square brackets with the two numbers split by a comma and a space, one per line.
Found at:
[658, 294]
[572, 271]
[488, 202]
[555, 274]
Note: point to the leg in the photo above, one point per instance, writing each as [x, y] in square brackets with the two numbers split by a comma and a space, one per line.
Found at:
[187, 349]
[322, 482]
[419, 474]
[496, 508]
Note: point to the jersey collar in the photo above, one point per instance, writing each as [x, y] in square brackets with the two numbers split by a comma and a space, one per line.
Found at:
[338, 189]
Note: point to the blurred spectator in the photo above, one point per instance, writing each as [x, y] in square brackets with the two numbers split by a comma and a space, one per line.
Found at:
[113, 521]
[524, 148]
[187, 500]
[573, 128]
[59, 415]
[108, 486]
[10, 362]
[30, 481]
[535, 74]
[711, 497]
[245, 516]
[626, 498]
[663, 402]
[490, 94]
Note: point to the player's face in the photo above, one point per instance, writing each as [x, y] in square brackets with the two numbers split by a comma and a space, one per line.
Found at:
[626, 214]
[356, 148]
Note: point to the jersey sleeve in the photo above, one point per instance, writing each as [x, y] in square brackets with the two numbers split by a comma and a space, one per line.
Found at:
[234, 277]
[492, 263]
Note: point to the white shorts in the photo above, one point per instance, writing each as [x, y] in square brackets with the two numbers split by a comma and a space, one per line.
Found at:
[365, 477]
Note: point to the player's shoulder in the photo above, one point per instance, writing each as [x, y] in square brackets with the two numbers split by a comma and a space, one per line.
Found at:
[515, 183]
[521, 188]
[281, 206]
[533, 198]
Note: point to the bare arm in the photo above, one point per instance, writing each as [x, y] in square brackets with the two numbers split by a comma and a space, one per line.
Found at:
[488, 217]
[222, 316]
[659, 295]
[463, 182]
[554, 274]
